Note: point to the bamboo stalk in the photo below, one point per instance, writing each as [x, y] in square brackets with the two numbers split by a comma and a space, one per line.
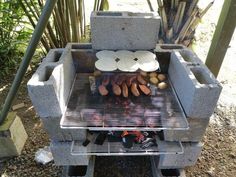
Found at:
[191, 7]
[183, 4]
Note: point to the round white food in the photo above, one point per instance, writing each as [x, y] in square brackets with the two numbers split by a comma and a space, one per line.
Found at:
[107, 54]
[125, 54]
[106, 64]
[127, 65]
[142, 54]
[148, 65]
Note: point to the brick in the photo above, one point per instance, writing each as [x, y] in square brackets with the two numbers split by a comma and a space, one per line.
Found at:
[195, 85]
[61, 152]
[12, 136]
[197, 128]
[56, 133]
[50, 86]
[175, 161]
[124, 30]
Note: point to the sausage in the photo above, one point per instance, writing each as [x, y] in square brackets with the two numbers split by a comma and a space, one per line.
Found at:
[134, 89]
[141, 80]
[120, 80]
[154, 80]
[106, 80]
[145, 89]
[125, 90]
[116, 89]
[143, 73]
[129, 80]
[153, 74]
[103, 90]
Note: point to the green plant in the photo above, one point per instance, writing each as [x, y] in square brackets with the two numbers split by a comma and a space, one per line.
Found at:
[14, 34]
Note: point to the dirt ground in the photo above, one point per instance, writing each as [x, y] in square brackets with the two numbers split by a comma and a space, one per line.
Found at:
[218, 158]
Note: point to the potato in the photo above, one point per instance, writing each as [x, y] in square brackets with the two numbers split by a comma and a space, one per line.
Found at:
[153, 74]
[97, 73]
[154, 80]
[162, 85]
[161, 77]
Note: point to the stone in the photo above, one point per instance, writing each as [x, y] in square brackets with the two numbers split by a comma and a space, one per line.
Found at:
[12, 136]
[196, 87]
[62, 156]
[124, 30]
[197, 128]
[175, 161]
[50, 85]
[163, 52]
[56, 133]
[72, 170]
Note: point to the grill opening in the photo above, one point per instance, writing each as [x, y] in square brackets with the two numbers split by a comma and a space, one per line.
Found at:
[167, 47]
[201, 76]
[170, 172]
[46, 74]
[109, 14]
[77, 170]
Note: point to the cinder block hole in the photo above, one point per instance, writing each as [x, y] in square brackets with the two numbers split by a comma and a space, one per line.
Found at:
[132, 14]
[84, 46]
[186, 56]
[170, 172]
[170, 47]
[57, 56]
[109, 14]
[201, 75]
[77, 170]
[46, 73]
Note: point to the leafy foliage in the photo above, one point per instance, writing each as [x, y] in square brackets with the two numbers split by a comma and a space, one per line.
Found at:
[13, 35]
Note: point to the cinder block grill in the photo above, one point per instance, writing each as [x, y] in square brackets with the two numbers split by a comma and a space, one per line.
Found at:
[75, 116]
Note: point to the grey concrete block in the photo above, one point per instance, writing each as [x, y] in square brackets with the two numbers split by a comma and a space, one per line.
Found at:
[12, 136]
[163, 52]
[61, 152]
[71, 171]
[50, 86]
[197, 128]
[175, 161]
[56, 133]
[157, 172]
[195, 85]
[124, 30]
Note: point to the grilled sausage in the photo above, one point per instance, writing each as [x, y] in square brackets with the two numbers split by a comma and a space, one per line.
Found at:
[116, 89]
[125, 90]
[143, 73]
[129, 80]
[134, 89]
[141, 80]
[145, 89]
[103, 90]
[120, 80]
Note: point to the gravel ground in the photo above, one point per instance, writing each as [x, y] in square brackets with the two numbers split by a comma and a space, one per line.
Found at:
[218, 158]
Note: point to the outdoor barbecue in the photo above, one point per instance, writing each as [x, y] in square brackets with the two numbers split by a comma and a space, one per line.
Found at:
[123, 95]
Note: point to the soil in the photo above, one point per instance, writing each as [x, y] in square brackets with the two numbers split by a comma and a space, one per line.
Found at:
[218, 157]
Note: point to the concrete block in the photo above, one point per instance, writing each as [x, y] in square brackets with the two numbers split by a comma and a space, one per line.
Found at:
[52, 127]
[61, 152]
[175, 161]
[197, 128]
[158, 173]
[12, 136]
[195, 85]
[163, 52]
[124, 30]
[50, 85]
[74, 171]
